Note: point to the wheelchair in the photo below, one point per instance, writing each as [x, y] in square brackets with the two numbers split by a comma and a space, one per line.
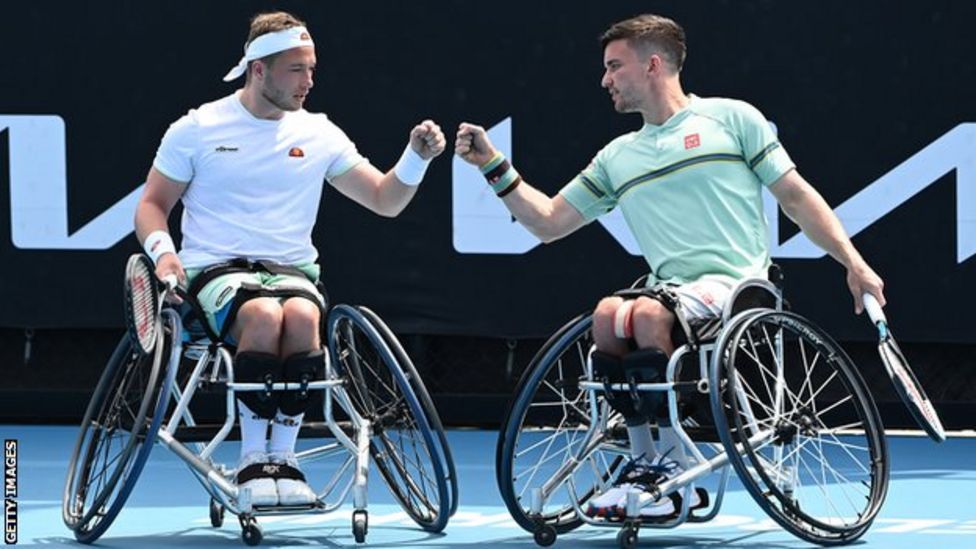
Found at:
[374, 408]
[772, 397]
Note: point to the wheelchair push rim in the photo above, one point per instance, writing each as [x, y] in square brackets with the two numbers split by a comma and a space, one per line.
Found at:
[547, 423]
[403, 446]
[109, 422]
[426, 402]
[800, 427]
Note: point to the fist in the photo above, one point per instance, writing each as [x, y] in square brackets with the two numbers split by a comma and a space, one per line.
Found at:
[427, 139]
[169, 266]
[472, 144]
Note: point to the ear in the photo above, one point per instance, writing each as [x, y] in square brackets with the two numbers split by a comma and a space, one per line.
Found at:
[654, 64]
[259, 68]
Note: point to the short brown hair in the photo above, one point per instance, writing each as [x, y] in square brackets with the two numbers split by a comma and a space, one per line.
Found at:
[649, 32]
[274, 21]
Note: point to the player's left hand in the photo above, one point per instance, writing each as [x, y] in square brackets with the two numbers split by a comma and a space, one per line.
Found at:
[427, 139]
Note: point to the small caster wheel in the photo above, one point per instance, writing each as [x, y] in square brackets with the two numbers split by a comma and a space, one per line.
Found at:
[360, 525]
[627, 537]
[251, 532]
[544, 535]
[216, 514]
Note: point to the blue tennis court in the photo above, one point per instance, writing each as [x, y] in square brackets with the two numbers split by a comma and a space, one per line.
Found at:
[927, 505]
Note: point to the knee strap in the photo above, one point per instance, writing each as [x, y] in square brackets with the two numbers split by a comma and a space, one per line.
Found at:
[623, 320]
[647, 366]
[301, 368]
[255, 367]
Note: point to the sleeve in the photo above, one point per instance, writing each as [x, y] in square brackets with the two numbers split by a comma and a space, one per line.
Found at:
[175, 157]
[762, 150]
[591, 192]
[345, 155]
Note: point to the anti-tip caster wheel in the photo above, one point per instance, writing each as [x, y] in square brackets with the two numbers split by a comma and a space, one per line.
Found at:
[216, 514]
[627, 537]
[544, 535]
[360, 525]
[250, 531]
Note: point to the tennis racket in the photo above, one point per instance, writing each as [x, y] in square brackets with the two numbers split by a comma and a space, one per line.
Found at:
[906, 384]
[143, 302]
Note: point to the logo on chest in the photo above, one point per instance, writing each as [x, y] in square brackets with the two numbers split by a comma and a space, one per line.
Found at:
[692, 141]
[296, 152]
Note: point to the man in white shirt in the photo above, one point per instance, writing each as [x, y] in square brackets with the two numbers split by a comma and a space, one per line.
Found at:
[249, 169]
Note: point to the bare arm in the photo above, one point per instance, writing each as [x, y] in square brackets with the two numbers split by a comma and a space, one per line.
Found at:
[152, 212]
[385, 194]
[804, 205]
[547, 218]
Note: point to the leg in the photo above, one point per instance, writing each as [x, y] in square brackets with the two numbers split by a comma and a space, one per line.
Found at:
[257, 328]
[301, 351]
[603, 329]
[650, 322]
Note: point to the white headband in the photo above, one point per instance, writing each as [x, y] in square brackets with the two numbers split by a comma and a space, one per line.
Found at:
[267, 44]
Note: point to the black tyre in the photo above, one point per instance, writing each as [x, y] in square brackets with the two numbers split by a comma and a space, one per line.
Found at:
[423, 396]
[546, 424]
[800, 427]
[405, 448]
[117, 434]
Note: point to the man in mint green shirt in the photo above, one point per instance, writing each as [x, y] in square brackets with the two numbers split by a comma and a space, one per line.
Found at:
[689, 185]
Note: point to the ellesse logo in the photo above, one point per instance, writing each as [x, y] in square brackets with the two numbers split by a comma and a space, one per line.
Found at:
[296, 152]
[304, 36]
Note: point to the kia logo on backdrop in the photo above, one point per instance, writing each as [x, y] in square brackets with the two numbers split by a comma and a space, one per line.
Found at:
[480, 222]
[39, 191]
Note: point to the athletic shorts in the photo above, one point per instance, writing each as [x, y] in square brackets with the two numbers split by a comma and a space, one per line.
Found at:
[217, 296]
[702, 303]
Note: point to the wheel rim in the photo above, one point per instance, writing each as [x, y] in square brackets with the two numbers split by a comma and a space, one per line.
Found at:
[822, 470]
[115, 452]
[402, 446]
[547, 424]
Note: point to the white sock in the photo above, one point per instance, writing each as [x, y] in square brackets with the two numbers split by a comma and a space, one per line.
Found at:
[671, 443]
[254, 430]
[284, 433]
[641, 443]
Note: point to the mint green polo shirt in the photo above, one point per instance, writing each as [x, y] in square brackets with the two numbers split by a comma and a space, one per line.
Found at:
[690, 189]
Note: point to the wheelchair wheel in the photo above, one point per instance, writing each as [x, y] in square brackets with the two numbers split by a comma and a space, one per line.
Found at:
[117, 434]
[546, 425]
[404, 447]
[417, 384]
[799, 426]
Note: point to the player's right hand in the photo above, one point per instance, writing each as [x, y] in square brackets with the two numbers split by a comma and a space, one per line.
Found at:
[472, 144]
[169, 265]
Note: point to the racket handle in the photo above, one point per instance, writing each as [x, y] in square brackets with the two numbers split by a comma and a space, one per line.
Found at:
[873, 308]
[169, 281]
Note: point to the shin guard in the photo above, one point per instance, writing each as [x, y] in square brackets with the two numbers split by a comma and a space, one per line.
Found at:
[301, 368]
[608, 369]
[255, 367]
[648, 366]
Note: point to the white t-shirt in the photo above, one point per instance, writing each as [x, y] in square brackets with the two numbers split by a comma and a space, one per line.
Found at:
[254, 185]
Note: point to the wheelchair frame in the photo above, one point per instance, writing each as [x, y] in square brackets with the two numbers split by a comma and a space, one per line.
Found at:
[365, 337]
[589, 442]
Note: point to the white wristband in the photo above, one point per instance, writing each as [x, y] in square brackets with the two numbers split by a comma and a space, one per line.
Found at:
[411, 167]
[157, 244]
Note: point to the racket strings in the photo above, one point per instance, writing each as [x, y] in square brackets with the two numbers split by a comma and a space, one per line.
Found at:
[143, 306]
